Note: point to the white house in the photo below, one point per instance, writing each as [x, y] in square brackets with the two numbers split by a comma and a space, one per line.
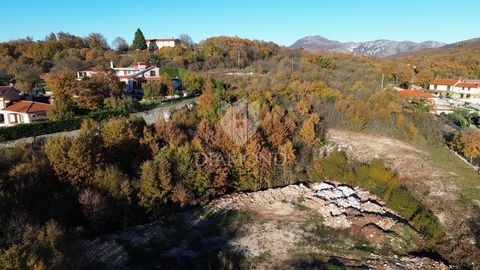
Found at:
[8, 95]
[133, 76]
[86, 73]
[158, 43]
[23, 112]
[463, 89]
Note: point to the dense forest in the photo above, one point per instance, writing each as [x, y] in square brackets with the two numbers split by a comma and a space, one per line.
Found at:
[122, 172]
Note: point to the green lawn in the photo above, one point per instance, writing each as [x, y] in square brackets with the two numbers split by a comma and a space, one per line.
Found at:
[147, 105]
[465, 177]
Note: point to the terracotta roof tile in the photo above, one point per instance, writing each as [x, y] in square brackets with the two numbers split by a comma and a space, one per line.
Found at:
[415, 94]
[25, 106]
[444, 82]
[464, 84]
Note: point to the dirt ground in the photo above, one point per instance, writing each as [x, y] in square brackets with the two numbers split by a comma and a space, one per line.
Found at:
[435, 184]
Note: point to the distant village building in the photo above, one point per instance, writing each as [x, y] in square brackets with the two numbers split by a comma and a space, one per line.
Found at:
[464, 89]
[23, 112]
[86, 73]
[158, 43]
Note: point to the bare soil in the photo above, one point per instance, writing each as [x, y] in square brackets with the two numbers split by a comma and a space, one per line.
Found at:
[437, 184]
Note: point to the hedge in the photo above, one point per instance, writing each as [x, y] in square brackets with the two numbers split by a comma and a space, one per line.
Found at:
[47, 127]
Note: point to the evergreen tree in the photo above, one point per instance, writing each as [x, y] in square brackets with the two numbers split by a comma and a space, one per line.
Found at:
[139, 42]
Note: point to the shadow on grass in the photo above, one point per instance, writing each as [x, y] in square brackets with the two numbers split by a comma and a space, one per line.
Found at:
[475, 224]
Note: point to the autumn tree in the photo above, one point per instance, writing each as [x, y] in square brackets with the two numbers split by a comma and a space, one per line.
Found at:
[95, 208]
[467, 142]
[209, 102]
[155, 90]
[97, 41]
[192, 83]
[309, 130]
[93, 91]
[124, 104]
[63, 85]
[156, 182]
[75, 159]
[404, 75]
[120, 136]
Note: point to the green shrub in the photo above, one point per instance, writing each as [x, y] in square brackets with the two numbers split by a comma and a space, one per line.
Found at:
[335, 166]
[403, 202]
[428, 224]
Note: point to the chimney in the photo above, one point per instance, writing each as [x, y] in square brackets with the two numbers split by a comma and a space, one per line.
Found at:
[111, 64]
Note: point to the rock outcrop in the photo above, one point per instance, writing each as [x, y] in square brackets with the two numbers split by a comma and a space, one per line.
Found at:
[278, 228]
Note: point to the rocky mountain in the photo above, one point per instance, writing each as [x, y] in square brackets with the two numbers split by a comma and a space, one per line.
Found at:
[381, 47]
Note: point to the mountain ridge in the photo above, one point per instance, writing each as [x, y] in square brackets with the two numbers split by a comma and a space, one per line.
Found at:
[379, 47]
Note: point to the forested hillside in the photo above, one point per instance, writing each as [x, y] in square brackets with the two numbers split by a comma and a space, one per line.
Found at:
[122, 172]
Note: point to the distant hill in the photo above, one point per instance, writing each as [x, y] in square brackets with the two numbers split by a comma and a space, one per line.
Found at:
[381, 47]
[473, 43]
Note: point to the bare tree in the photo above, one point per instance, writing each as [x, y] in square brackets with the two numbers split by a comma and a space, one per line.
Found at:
[186, 39]
[120, 45]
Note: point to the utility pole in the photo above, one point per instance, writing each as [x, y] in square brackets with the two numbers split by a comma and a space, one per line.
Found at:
[291, 60]
[383, 77]
[238, 59]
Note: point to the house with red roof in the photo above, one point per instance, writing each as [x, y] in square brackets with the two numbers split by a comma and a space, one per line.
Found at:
[415, 94]
[23, 112]
[464, 89]
[8, 95]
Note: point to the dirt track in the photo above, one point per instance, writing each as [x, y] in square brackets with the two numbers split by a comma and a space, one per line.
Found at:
[435, 186]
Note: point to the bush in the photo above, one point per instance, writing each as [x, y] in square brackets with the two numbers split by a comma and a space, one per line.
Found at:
[48, 127]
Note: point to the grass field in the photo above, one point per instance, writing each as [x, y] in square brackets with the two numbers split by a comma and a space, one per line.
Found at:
[148, 105]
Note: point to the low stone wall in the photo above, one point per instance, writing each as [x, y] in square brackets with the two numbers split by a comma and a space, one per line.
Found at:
[33, 139]
[476, 168]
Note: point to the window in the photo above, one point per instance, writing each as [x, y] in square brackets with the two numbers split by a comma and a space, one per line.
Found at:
[2, 119]
[152, 73]
[12, 118]
[124, 72]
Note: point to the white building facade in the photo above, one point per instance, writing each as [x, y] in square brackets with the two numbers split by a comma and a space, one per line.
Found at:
[462, 89]
[158, 43]
[23, 112]
[132, 76]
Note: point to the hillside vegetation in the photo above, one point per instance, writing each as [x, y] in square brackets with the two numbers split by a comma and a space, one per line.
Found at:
[121, 172]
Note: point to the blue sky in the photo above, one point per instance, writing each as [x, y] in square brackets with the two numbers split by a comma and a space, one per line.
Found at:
[280, 21]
